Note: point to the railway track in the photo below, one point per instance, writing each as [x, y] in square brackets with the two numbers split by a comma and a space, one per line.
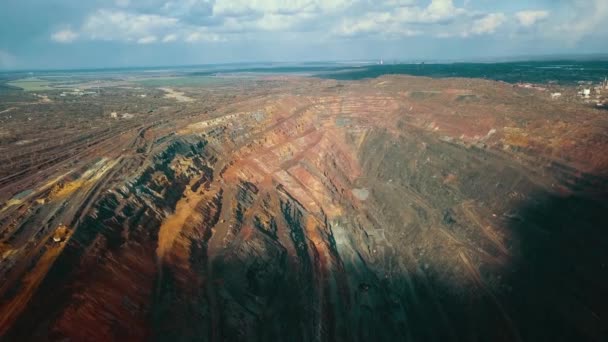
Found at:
[17, 180]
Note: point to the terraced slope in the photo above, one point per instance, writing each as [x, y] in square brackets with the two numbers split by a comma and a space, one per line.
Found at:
[399, 208]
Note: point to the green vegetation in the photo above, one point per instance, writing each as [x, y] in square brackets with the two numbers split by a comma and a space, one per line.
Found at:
[562, 72]
[187, 81]
[467, 97]
[424, 94]
[32, 84]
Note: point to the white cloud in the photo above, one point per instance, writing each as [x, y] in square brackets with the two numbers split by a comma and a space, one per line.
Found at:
[194, 37]
[380, 24]
[407, 19]
[278, 22]
[191, 21]
[243, 7]
[584, 18]
[439, 10]
[147, 40]
[529, 18]
[488, 24]
[169, 38]
[125, 26]
[64, 36]
[121, 25]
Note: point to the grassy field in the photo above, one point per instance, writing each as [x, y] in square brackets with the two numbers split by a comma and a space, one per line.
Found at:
[32, 84]
[188, 81]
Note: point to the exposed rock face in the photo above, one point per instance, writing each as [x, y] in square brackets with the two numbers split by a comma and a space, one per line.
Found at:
[398, 213]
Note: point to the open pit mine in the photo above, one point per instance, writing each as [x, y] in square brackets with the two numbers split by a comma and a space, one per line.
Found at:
[298, 209]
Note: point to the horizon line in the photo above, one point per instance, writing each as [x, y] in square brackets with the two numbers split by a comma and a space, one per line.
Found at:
[557, 57]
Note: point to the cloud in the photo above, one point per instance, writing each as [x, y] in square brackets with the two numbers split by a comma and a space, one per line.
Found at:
[529, 18]
[147, 40]
[64, 36]
[169, 38]
[114, 25]
[194, 37]
[239, 8]
[584, 18]
[294, 29]
[439, 10]
[124, 26]
[400, 19]
[280, 21]
[488, 24]
[192, 21]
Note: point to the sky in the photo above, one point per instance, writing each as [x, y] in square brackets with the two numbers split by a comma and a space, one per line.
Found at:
[47, 34]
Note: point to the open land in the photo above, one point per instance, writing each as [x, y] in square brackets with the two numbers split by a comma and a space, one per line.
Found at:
[282, 207]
